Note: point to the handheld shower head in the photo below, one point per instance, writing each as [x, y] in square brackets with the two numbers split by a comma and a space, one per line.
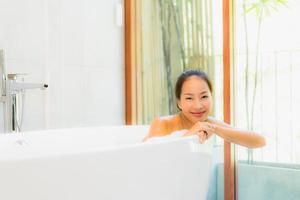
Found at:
[2, 74]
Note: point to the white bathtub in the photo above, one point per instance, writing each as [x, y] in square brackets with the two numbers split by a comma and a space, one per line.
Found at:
[103, 163]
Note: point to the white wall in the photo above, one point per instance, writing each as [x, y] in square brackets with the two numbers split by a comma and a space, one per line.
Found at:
[76, 47]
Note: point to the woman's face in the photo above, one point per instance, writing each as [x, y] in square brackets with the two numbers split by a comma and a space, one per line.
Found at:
[195, 99]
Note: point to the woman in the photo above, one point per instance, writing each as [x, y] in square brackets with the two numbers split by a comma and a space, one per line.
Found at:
[194, 99]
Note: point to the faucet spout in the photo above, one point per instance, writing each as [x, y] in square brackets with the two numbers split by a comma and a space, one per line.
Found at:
[18, 87]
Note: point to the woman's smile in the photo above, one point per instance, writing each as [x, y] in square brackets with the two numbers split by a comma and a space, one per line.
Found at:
[198, 114]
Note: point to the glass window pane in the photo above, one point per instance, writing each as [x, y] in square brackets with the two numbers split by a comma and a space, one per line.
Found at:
[172, 36]
[266, 97]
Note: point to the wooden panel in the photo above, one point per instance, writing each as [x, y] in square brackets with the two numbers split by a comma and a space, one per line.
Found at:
[229, 164]
[128, 62]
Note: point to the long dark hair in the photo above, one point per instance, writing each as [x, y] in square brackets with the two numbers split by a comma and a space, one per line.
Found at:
[185, 75]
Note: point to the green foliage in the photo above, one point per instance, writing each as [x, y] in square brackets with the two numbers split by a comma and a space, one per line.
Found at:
[264, 8]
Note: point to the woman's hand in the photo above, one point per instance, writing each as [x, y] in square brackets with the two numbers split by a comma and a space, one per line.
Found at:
[203, 130]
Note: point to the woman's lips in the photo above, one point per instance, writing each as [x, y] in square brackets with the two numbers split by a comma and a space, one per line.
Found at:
[198, 114]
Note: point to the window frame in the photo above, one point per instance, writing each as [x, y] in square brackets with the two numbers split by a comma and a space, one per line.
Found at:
[229, 161]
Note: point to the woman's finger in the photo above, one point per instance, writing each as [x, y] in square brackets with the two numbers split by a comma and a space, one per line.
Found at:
[202, 136]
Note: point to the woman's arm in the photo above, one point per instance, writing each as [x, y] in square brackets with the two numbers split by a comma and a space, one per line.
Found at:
[245, 138]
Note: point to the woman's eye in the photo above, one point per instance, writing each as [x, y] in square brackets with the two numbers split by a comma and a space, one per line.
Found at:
[188, 98]
[205, 97]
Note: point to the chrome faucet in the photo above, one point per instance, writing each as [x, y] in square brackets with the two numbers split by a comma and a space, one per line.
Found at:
[10, 92]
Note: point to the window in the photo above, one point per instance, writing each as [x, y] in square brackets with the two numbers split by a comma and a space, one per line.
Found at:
[266, 72]
[171, 36]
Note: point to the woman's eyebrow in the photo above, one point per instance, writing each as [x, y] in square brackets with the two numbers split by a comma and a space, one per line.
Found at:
[190, 94]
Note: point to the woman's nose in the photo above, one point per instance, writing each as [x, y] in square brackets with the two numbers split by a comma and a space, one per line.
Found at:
[198, 104]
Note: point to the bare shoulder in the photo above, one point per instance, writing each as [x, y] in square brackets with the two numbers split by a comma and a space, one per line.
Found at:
[170, 119]
[163, 125]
